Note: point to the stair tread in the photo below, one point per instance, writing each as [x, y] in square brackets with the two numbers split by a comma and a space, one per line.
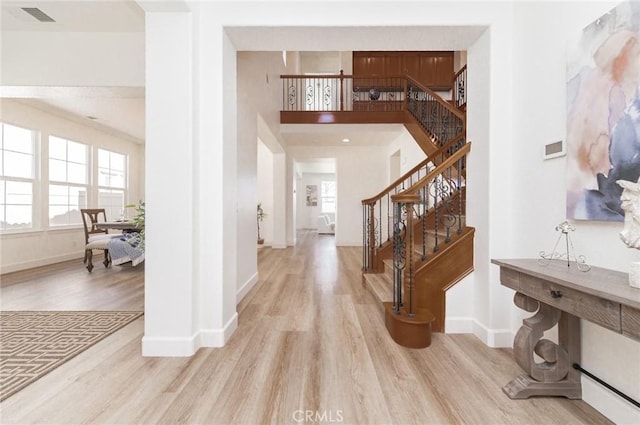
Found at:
[380, 285]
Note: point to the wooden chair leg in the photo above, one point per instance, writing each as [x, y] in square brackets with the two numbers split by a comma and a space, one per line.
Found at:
[107, 258]
[85, 256]
[89, 259]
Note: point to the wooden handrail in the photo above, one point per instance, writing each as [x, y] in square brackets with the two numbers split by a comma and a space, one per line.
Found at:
[406, 175]
[459, 72]
[440, 168]
[438, 99]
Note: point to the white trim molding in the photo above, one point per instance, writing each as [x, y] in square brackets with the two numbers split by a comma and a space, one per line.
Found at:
[187, 346]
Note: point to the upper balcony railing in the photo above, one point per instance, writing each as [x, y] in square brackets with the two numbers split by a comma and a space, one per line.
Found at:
[329, 96]
[305, 93]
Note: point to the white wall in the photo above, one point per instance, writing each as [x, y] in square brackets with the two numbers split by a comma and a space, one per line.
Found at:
[31, 249]
[360, 171]
[307, 216]
[259, 99]
[410, 152]
[52, 58]
[540, 92]
[496, 169]
[265, 190]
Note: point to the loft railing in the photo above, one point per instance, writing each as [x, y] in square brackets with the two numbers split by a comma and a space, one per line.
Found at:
[436, 116]
[305, 93]
[344, 93]
[377, 212]
[459, 89]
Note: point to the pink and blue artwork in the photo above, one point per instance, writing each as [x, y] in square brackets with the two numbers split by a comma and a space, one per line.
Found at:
[603, 114]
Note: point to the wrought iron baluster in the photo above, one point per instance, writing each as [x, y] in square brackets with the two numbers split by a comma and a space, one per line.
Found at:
[380, 227]
[436, 213]
[460, 198]
[399, 232]
[425, 210]
[388, 218]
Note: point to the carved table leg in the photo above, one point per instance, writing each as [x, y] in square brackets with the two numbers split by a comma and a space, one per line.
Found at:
[554, 376]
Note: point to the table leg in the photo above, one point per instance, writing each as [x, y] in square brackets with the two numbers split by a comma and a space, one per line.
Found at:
[554, 376]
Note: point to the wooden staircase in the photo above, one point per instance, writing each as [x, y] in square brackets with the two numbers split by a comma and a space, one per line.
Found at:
[416, 242]
[407, 276]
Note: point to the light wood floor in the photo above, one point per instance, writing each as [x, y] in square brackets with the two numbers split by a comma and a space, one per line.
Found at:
[311, 344]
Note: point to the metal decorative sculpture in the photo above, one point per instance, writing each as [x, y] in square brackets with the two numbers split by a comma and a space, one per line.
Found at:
[581, 262]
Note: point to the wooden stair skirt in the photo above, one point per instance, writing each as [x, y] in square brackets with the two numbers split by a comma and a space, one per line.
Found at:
[452, 263]
[411, 332]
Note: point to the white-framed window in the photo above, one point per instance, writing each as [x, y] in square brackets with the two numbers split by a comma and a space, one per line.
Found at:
[17, 171]
[112, 182]
[68, 181]
[328, 196]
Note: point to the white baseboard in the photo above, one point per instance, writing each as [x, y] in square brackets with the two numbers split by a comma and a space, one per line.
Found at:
[244, 290]
[10, 268]
[495, 338]
[187, 346]
[458, 325]
[218, 337]
[168, 346]
[609, 404]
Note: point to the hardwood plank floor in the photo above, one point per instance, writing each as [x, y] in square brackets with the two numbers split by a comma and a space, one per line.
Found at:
[311, 347]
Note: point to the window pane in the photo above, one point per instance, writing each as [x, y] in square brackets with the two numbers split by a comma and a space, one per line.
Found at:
[112, 201]
[17, 139]
[328, 188]
[117, 162]
[117, 179]
[77, 152]
[20, 193]
[65, 203]
[77, 173]
[328, 205]
[18, 217]
[112, 169]
[57, 148]
[16, 201]
[103, 158]
[57, 170]
[18, 165]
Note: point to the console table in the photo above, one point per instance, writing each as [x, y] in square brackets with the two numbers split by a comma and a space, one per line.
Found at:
[562, 295]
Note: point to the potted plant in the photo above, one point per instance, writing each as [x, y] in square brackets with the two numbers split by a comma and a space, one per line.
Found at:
[138, 219]
[260, 216]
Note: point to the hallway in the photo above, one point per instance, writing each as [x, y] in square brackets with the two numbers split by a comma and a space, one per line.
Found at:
[311, 346]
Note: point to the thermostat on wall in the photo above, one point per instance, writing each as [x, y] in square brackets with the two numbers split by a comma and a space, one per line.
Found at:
[554, 149]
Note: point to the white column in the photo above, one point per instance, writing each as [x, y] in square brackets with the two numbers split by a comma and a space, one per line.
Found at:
[279, 201]
[169, 280]
[216, 177]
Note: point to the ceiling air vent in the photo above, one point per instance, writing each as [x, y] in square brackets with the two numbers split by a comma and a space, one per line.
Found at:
[38, 14]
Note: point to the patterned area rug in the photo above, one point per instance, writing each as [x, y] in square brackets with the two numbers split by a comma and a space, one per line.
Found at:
[33, 343]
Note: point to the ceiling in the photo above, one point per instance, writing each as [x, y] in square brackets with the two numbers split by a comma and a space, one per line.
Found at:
[116, 110]
[122, 111]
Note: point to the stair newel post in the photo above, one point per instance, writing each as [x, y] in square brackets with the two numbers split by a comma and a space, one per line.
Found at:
[341, 90]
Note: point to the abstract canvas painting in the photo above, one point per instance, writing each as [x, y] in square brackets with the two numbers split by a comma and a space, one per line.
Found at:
[603, 114]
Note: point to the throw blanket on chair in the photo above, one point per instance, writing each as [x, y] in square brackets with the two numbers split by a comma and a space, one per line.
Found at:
[124, 248]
